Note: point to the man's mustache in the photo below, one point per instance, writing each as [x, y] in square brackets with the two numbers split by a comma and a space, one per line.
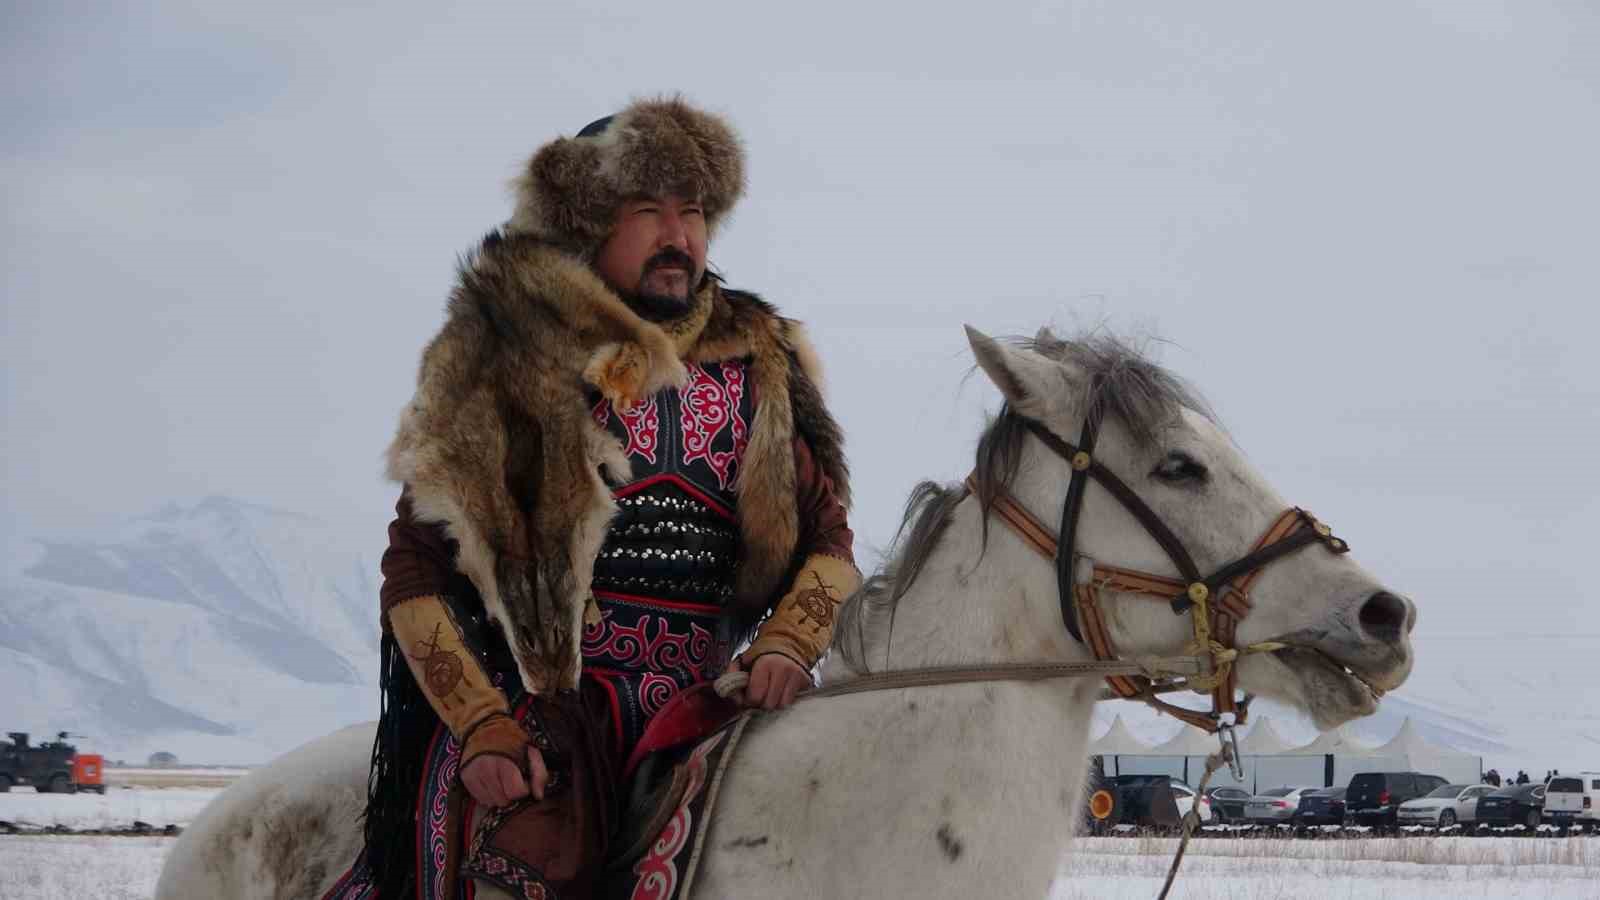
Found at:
[670, 257]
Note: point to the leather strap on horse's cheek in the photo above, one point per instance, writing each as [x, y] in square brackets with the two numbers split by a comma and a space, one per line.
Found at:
[1128, 581]
[801, 623]
[1032, 531]
[444, 665]
[1224, 629]
[1087, 604]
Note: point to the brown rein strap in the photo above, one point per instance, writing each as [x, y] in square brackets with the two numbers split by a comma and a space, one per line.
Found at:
[1157, 667]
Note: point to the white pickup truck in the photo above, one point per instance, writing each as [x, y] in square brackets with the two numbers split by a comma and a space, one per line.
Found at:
[1573, 799]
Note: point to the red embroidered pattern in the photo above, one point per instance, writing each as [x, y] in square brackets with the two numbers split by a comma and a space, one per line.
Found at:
[438, 814]
[654, 692]
[708, 407]
[642, 423]
[657, 871]
[632, 646]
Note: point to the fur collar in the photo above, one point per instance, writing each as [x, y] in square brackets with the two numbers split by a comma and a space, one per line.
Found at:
[498, 444]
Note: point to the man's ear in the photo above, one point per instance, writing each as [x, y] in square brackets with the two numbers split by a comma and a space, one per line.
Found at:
[1036, 387]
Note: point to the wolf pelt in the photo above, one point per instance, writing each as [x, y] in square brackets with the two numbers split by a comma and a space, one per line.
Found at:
[498, 443]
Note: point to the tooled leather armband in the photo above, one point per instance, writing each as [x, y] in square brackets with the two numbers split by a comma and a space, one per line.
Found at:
[447, 669]
[801, 623]
[496, 735]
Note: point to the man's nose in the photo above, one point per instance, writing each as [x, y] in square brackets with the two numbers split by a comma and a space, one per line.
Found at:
[673, 232]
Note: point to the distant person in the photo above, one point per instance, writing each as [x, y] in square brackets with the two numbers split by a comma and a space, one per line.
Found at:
[1522, 777]
[1492, 778]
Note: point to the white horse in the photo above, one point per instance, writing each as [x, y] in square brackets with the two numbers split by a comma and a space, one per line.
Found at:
[948, 791]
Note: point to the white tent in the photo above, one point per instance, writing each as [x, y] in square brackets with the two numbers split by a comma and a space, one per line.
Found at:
[1188, 741]
[1117, 740]
[1348, 756]
[1418, 754]
[1263, 740]
[1269, 761]
[1336, 742]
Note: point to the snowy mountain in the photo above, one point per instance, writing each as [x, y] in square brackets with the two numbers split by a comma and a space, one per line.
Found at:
[225, 633]
[229, 633]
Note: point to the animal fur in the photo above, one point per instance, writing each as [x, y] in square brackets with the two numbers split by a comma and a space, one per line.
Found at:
[570, 190]
[499, 445]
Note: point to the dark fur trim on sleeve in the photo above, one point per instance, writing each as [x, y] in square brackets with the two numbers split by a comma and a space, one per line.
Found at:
[821, 432]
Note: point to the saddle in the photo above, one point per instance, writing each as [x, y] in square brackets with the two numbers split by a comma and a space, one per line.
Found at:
[658, 773]
[651, 838]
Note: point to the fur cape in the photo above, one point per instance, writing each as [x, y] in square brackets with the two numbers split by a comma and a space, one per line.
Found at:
[498, 443]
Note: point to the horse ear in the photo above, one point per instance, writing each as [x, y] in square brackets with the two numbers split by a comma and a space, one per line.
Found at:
[1033, 385]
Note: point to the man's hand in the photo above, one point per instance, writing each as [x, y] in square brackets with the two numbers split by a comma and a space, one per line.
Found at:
[775, 679]
[496, 781]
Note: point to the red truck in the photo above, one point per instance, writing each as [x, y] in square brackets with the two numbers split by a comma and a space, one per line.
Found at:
[53, 767]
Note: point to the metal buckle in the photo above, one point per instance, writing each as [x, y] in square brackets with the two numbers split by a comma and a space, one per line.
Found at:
[1228, 737]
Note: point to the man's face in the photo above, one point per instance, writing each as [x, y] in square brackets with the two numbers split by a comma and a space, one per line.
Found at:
[656, 255]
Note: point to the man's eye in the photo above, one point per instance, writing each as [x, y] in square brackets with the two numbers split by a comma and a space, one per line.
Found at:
[694, 211]
[647, 210]
[1180, 468]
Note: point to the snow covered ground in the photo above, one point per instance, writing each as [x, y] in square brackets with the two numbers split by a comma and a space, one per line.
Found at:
[119, 808]
[121, 868]
[1348, 869]
[64, 868]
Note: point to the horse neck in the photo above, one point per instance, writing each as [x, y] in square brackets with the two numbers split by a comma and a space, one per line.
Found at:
[978, 600]
[975, 604]
[1021, 747]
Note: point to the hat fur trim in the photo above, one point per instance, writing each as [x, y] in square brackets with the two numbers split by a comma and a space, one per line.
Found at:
[571, 188]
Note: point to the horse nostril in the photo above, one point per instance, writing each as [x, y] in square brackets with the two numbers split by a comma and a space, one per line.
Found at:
[1384, 616]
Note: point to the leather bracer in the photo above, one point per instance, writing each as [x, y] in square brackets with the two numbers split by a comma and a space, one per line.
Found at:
[801, 623]
[454, 681]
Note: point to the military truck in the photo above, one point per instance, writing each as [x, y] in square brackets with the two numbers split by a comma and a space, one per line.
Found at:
[53, 767]
[1144, 801]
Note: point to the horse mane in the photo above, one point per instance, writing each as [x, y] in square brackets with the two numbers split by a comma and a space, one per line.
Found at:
[1128, 386]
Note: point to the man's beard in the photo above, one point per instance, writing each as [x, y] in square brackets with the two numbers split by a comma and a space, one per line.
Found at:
[657, 307]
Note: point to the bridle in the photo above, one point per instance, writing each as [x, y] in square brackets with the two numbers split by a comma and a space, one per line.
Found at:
[1215, 602]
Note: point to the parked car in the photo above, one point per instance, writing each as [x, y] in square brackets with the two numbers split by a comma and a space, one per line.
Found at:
[1184, 796]
[1517, 804]
[1323, 807]
[1570, 799]
[1374, 798]
[1228, 803]
[1275, 807]
[1444, 806]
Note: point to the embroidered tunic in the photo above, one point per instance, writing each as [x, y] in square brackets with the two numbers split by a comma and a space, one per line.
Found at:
[667, 565]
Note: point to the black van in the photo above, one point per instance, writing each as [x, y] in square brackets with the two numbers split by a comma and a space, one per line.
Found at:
[1374, 798]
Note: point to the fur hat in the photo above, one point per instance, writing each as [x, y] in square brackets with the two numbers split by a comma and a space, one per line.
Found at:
[571, 189]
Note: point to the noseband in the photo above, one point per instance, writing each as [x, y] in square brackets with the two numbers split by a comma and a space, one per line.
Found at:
[1216, 602]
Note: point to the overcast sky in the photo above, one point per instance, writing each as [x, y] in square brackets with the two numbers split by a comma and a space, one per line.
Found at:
[1367, 229]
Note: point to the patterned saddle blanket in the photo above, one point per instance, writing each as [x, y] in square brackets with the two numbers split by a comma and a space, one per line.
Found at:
[659, 854]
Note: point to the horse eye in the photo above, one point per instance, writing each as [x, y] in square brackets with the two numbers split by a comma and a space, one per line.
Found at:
[1179, 468]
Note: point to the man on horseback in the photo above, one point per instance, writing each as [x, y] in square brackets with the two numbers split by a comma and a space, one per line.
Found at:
[613, 464]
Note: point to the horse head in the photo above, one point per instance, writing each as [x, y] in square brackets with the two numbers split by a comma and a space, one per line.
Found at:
[1345, 636]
